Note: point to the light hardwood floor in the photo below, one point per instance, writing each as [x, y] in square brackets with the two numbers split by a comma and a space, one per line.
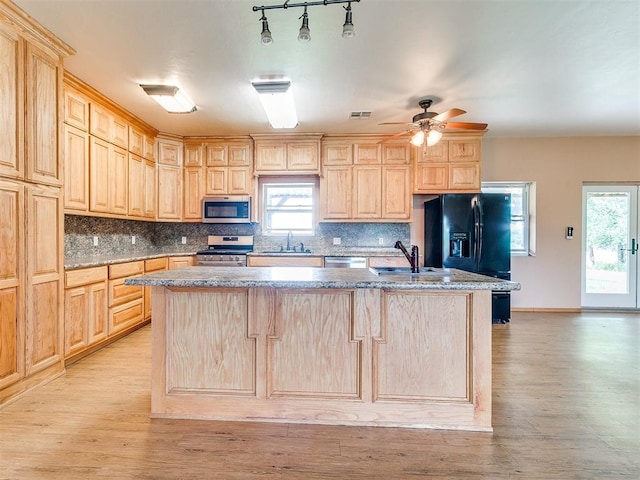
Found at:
[566, 406]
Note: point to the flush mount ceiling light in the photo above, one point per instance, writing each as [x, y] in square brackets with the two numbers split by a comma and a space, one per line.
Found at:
[304, 34]
[277, 102]
[170, 98]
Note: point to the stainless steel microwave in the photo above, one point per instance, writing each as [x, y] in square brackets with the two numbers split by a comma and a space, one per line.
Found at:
[226, 209]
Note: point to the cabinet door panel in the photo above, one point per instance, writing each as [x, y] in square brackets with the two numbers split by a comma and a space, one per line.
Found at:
[42, 118]
[136, 141]
[193, 193]
[76, 172]
[336, 192]
[11, 86]
[240, 155]
[76, 316]
[100, 121]
[337, 154]
[169, 192]
[438, 153]
[120, 133]
[98, 312]
[303, 157]
[136, 185]
[368, 192]
[367, 154]
[396, 154]
[216, 181]
[396, 194]
[126, 315]
[118, 181]
[217, 156]
[192, 155]
[99, 175]
[239, 180]
[464, 150]
[271, 157]
[464, 176]
[11, 282]
[431, 178]
[76, 110]
[150, 189]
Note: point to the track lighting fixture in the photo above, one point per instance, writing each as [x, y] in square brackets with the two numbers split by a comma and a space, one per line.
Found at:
[304, 35]
[265, 36]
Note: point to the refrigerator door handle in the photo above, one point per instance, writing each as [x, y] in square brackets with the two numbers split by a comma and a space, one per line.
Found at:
[479, 233]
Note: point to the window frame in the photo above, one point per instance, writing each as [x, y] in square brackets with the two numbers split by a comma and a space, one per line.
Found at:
[266, 183]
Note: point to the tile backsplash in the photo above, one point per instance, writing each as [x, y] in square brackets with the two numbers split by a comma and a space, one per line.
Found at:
[115, 236]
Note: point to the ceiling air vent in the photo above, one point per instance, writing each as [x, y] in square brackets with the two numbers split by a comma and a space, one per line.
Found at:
[359, 115]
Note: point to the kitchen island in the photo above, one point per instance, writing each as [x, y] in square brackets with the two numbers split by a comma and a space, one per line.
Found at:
[332, 346]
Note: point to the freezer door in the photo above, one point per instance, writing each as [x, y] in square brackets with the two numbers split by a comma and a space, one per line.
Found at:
[460, 228]
[494, 233]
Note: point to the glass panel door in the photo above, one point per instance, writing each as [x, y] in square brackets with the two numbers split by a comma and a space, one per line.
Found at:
[609, 246]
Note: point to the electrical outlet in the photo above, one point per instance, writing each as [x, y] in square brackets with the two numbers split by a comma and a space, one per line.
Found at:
[133, 239]
[381, 241]
[184, 240]
[95, 241]
[337, 240]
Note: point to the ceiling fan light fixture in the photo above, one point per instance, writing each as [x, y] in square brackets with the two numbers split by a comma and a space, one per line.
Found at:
[347, 29]
[418, 139]
[304, 35]
[433, 137]
[277, 101]
[170, 98]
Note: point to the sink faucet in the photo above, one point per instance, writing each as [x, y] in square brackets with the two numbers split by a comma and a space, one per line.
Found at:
[289, 239]
[412, 258]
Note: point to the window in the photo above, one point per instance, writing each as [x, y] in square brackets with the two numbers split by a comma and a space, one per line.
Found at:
[522, 225]
[288, 206]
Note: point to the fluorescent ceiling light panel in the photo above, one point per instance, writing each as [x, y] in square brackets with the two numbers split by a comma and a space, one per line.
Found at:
[277, 102]
[170, 98]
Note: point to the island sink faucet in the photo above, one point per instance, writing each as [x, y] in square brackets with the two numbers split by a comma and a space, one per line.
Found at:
[413, 257]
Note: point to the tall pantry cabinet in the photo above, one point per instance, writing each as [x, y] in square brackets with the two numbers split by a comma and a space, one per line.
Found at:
[31, 212]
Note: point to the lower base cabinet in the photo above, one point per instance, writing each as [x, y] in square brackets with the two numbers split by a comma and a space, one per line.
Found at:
[99, 308]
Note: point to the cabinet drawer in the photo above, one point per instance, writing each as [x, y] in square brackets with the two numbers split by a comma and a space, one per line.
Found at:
[120, 293]
[85, 276]
[154, 264]
[124, 316]
[118, 270]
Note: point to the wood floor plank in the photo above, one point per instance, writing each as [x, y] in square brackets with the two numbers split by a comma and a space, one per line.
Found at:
[566, 403]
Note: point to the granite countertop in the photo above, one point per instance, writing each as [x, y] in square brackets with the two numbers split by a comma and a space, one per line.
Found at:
[107, 259]
[309, 277]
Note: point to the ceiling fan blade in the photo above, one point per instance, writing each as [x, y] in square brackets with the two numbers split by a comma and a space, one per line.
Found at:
[395, 135]
[465, 126]
[444, 116]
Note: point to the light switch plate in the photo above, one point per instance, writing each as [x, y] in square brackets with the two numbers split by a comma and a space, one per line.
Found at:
[337, 240]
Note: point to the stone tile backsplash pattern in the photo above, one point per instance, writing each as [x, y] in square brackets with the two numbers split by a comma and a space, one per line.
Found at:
[114, 236]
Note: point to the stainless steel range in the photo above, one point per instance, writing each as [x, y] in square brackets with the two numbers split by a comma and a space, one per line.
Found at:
[226, 251]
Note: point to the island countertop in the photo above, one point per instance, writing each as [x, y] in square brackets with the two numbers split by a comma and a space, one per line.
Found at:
[309, 277]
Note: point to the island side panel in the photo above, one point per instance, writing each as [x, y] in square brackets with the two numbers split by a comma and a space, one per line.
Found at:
[424, 351]
[481, 358]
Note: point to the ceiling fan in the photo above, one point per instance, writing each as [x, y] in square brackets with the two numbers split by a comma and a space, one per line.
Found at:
[428, 126]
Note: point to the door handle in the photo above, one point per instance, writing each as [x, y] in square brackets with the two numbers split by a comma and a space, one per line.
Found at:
[633, 249]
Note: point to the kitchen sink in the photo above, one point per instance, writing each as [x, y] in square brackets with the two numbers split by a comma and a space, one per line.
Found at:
[422, 271]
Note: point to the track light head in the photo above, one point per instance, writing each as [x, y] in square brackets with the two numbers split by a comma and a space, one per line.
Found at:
[347, 29]
[305, 34]
[265, 35]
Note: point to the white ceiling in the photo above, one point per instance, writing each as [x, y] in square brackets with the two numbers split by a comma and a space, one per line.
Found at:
[525, 67]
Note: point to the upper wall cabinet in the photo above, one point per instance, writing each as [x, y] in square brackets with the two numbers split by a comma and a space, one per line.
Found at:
[30, 84]
[450, 166]
[287, 154]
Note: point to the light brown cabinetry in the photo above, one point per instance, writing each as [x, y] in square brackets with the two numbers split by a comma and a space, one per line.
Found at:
[150, 266]
[170, 173]
[193, 192]
[284, 261]
[76, 174]
[287, 154]
[115, 181]
[126, 303]
[365, 181]
[85, 309]
[228, 167]
[31, 220]
[452, 165]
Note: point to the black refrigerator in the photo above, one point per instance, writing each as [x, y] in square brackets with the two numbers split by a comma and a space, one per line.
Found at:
[471, 232]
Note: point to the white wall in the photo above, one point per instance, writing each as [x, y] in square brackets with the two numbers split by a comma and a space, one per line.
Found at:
[559, 166]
